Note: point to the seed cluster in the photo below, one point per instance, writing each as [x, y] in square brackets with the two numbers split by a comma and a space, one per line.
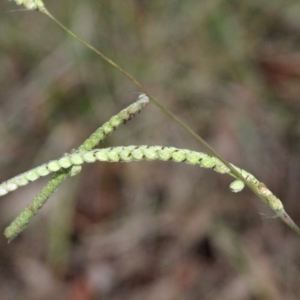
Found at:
[136, 153]
[116, 154]
[107, 128]
[31, 4]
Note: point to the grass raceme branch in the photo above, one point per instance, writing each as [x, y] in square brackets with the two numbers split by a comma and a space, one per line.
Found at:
[128, 154]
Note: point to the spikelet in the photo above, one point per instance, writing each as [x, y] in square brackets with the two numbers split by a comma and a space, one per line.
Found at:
[273, 202]
[31, 4]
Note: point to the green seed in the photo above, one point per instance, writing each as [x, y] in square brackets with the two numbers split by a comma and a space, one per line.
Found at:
[236, 186]
[31, 4]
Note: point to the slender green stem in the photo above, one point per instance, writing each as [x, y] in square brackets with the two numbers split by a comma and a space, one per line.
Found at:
[289, 221]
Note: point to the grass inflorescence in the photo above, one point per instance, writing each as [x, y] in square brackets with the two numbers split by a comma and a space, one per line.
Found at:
[70, 164]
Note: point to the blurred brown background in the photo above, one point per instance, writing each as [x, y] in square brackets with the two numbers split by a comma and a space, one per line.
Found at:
[153, 231]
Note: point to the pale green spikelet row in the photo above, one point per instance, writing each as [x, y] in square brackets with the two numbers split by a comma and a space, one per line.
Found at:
[31, 4]
[116, 154]
[132, 153]
[20, 223]
[127, 154]
[107, 128]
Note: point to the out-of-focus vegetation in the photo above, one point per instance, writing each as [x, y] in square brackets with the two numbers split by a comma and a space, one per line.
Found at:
[231, 70]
